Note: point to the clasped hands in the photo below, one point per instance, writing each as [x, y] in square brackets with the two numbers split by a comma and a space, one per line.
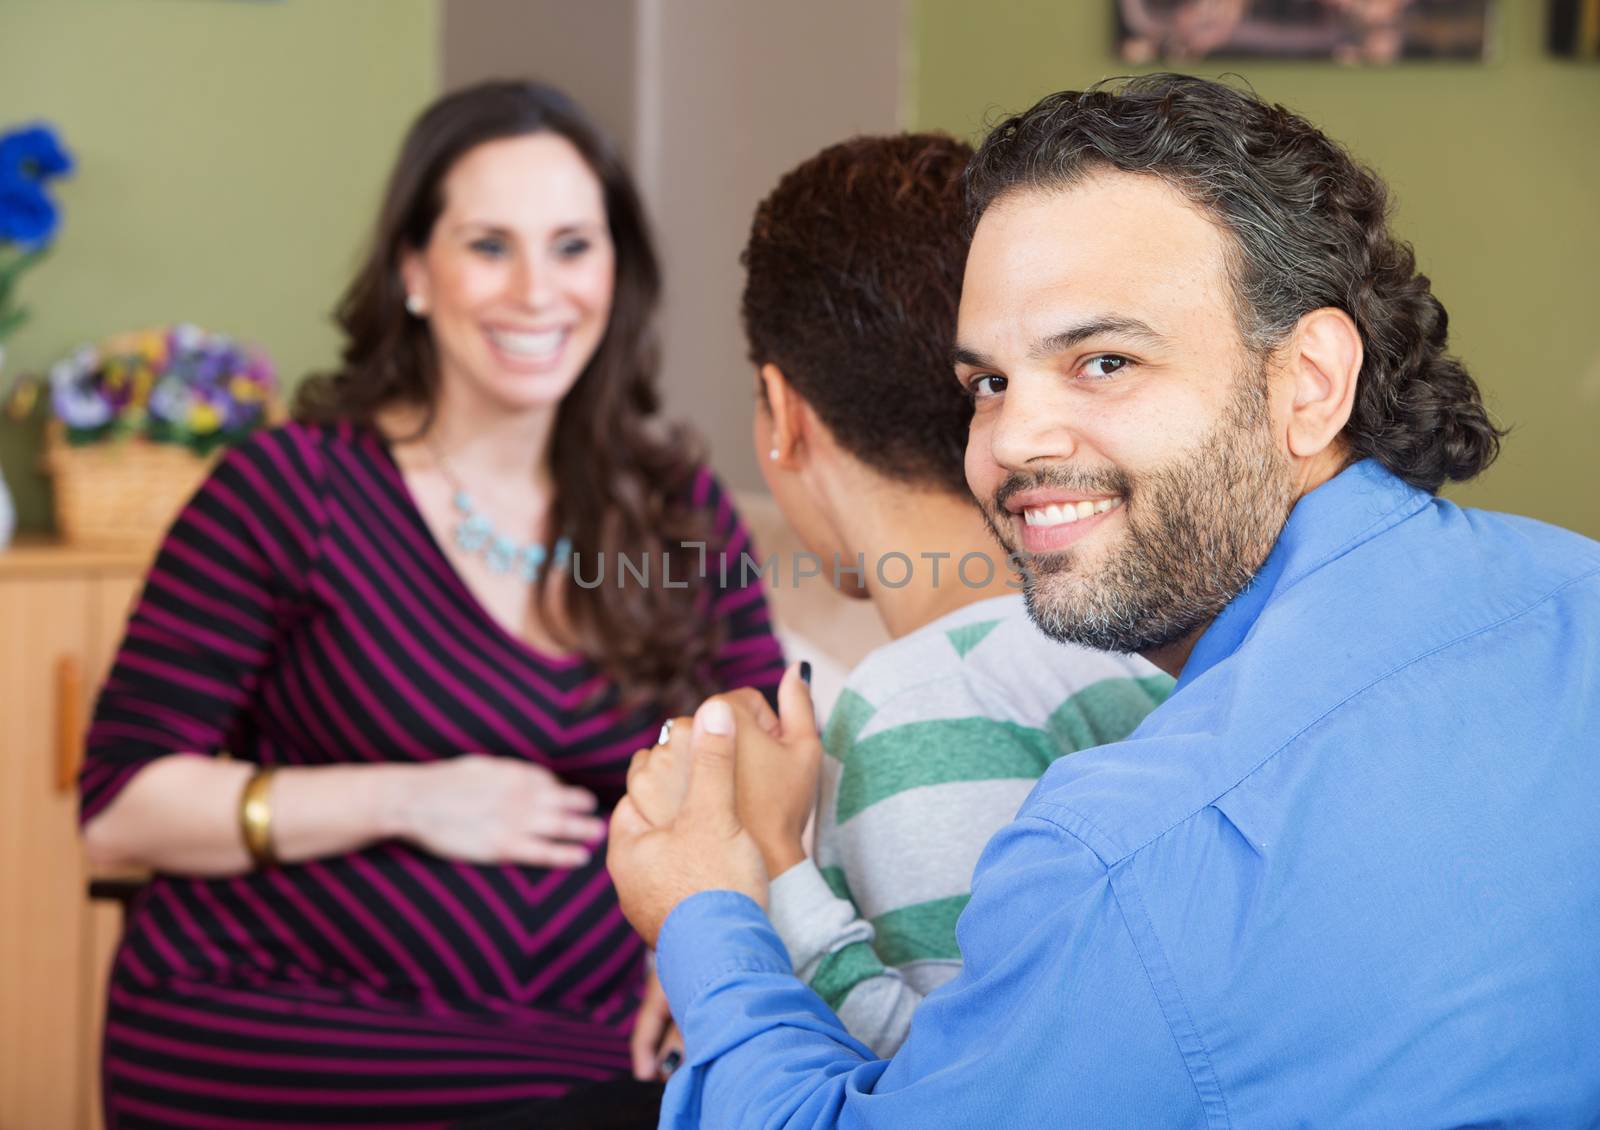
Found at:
[722, 805]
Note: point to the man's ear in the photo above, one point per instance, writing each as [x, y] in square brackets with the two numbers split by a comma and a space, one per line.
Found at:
[1324, 366]
[790, 419]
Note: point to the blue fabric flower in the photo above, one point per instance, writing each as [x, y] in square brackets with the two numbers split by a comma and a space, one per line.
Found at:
[29, 158]
[27, 217]
[34, 152]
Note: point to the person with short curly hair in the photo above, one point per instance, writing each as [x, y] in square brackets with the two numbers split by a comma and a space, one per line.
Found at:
[1340, 876]
[852, 276]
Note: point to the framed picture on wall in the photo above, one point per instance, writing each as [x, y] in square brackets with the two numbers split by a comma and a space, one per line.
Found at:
[1575, 28]
[1344, 31]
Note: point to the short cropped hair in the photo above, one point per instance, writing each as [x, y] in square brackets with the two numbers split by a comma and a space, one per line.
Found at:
[1308, 227]
[853, 277]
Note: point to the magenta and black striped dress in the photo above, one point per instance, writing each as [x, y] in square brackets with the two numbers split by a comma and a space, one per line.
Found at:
[301, 613]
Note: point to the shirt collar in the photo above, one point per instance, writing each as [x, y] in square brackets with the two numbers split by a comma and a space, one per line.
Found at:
[1355, 505]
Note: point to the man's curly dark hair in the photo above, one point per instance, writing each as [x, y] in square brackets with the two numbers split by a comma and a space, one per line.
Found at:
[1309, 228]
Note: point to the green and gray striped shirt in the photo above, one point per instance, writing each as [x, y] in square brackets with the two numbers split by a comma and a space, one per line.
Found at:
[933, 745]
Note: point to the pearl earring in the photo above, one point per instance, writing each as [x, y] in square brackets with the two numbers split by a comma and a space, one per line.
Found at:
[414, 305]
[773, 455]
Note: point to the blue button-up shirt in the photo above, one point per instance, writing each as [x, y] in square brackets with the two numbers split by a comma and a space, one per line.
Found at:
[1348, 875]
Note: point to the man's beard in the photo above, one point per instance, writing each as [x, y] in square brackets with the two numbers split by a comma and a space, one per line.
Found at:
[1197, 530]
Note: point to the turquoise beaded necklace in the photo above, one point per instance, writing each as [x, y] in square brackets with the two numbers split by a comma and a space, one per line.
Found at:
[475, 534]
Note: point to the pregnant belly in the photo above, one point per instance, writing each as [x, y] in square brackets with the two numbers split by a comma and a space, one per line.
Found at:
[405, 925]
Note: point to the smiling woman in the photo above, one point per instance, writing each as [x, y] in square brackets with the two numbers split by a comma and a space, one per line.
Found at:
[389, 906]
[512, 259]
[516, 280]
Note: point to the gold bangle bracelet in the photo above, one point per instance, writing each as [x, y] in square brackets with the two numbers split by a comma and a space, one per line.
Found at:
[255, 817]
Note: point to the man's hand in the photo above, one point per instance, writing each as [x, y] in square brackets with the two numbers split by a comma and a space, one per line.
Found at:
[778, 775]
[703, 847]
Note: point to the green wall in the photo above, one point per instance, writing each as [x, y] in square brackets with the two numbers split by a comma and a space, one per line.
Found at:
[1496, 167]
[230, 156]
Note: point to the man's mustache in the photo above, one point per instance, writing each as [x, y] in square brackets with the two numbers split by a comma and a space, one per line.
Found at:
[1081, 480]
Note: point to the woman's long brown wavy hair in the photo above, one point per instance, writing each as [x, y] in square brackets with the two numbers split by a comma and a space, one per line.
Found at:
[622, 478]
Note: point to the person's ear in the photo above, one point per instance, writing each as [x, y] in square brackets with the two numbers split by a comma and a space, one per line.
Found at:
[1324, 368]
[789, 414]
[414, 277]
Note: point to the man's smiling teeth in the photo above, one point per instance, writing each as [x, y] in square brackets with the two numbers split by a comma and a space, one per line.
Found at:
[1059, 514]
[534, 346]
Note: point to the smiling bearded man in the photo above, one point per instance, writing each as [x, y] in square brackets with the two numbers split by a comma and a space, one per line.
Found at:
[1197, 531]
[1344, 875]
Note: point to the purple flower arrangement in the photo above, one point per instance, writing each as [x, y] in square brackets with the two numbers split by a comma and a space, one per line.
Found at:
[179, 385]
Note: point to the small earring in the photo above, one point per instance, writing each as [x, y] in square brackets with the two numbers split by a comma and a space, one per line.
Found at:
[414, 305]
[773, 455]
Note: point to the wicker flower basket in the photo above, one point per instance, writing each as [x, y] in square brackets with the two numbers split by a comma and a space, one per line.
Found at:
[121, 494]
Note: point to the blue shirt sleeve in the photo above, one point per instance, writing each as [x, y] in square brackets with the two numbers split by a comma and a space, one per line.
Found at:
[1053, 1019]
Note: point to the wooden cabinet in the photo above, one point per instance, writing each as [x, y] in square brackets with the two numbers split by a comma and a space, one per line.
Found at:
[62, 614]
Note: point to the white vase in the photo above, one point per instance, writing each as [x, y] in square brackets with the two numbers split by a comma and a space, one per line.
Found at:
[8, 509]
[8, 513]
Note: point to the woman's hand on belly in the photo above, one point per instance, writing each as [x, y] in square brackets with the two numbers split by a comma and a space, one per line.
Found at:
[496, 810]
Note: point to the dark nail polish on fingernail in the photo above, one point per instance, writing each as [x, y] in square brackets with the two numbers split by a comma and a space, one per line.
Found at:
[805, 672]
[671, 1062]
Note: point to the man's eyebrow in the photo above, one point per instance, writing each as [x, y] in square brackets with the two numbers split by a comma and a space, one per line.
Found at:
[1047, 347]
[961, 355]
